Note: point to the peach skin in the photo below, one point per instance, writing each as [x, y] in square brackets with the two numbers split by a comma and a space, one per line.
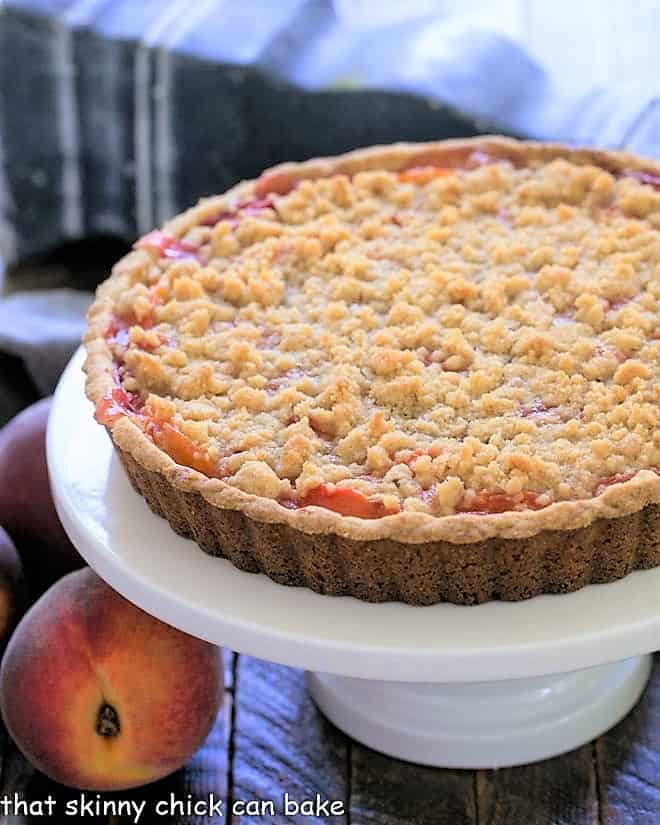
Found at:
[99, 695]
[27, 511]
[12, 586]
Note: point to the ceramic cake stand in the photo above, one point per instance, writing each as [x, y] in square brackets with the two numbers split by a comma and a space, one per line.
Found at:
[494, 685]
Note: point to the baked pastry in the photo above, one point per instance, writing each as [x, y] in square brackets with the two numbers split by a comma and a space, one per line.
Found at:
[420, 372]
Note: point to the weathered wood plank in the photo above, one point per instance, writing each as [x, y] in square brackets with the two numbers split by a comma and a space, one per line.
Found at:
[559, 791]
[385, 791]
[282, 744]
[628, 763]
[554, 792]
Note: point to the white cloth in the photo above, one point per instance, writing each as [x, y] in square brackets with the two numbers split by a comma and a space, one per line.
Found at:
[43, 328]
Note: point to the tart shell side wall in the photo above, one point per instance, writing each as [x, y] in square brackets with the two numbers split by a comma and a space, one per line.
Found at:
[418, 574]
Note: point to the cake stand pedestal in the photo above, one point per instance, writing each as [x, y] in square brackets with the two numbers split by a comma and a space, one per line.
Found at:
[470, 687]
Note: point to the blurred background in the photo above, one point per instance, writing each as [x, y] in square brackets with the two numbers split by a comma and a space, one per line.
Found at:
[116, 114]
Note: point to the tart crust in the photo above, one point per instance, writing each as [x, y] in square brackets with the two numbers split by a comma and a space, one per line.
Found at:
[381, 570]
[412, 556]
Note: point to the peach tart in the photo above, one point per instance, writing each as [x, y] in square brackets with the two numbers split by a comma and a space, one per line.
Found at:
[419, 372]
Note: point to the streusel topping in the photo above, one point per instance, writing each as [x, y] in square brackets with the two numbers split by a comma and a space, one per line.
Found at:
[439, 340]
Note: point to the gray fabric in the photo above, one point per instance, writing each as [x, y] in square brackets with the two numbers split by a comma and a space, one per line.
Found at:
[481, 73]
[43, 328]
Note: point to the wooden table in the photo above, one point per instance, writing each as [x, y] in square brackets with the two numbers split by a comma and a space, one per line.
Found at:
[270, 739]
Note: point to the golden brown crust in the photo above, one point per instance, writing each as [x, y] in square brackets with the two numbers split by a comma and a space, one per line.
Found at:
[419, 574]
[617, 510]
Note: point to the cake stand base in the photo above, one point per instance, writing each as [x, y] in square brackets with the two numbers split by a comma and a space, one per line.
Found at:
[482, 724]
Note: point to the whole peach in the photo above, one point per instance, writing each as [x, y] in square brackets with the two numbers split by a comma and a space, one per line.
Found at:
[99, 695]
[12, 596]
[27, 511]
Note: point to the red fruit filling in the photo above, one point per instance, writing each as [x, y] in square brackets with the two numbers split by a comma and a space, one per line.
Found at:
[345, 501]
[251, 207]
[424, 174]
[275, 183]
[164, 434]
[619, 478]
[408, 456]
[255, 206]
[486, 502]
[643, 177]
[116, 403]
[117, 332]
[448, 161]
[166, 246]
[183, 449]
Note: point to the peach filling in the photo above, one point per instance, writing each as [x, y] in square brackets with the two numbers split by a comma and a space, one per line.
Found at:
[408, 456]
[275, 183]
[166, 246]
[181, 449]
[117, 331]
[345, 501]
[486, 502]
[647, 178]
[423, 174]
[619, 478]
[251, 207]
[114, 404]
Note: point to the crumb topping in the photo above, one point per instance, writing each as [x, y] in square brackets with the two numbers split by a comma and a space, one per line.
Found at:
[439, 340]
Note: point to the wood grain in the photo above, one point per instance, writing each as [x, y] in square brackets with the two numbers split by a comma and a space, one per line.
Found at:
[559, 791]
[385, 791]
[628, 760]
[282, 744]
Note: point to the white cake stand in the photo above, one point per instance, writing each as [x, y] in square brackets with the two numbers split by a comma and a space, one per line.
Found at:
[488, 686]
